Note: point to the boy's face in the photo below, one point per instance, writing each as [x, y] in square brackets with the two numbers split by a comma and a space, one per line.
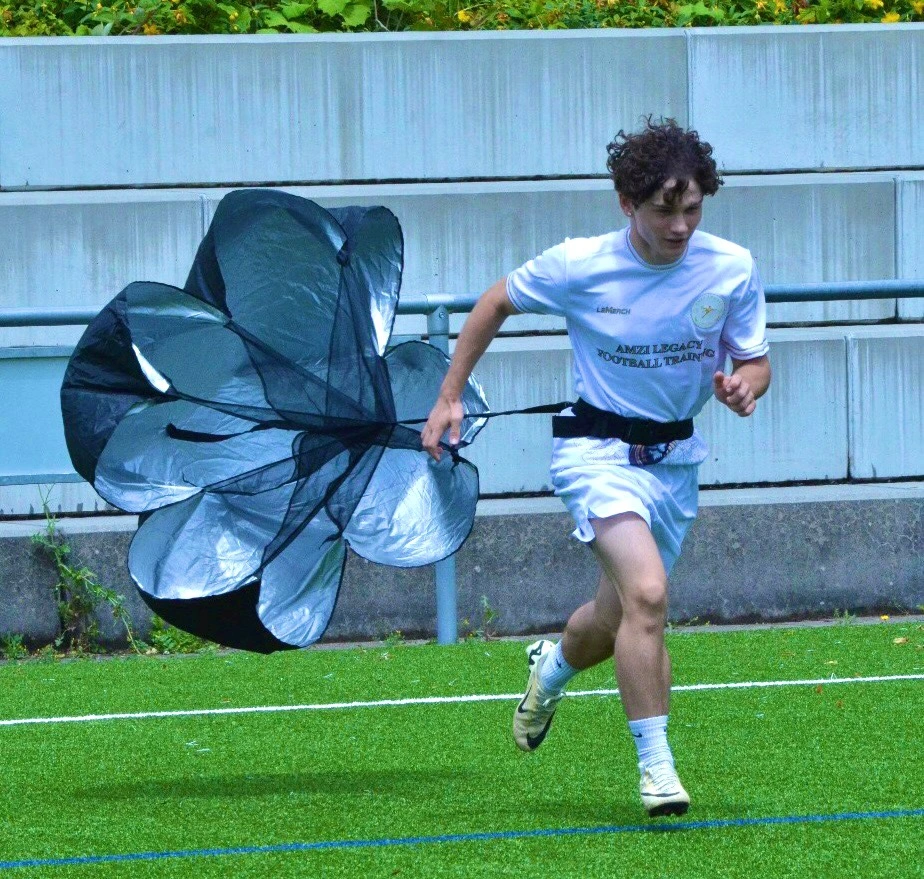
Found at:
[659, 228]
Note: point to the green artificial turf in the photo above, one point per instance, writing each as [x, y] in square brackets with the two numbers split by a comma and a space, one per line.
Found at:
[374, 773]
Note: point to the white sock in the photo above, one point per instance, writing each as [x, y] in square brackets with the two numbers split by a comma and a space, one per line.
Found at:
[650, 737]
[556, 672]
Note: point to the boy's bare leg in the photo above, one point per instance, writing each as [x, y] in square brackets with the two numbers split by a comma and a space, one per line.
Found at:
[630, 612]
[627, 617]
[626, 620]
[630, 559]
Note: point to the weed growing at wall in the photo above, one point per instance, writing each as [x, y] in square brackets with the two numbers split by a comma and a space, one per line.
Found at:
[165, 638]
[78, 593]
[480, 629]
[12, 647]
[152, 17]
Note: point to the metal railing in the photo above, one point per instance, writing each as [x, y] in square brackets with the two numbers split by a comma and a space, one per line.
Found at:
[438, 307]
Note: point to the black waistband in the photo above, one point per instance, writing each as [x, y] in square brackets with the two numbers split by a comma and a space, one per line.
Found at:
[590, 421]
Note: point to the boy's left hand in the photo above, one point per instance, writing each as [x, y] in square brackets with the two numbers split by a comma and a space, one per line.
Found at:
[735, 392]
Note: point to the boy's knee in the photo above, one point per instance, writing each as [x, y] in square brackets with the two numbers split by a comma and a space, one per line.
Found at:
[647, 601]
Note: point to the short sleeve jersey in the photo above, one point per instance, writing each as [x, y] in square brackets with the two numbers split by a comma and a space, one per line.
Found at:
[647, 339]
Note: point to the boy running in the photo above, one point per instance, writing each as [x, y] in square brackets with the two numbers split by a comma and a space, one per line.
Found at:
[653, 311]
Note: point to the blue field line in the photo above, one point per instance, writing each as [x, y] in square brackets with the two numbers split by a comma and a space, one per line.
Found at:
[488, 836]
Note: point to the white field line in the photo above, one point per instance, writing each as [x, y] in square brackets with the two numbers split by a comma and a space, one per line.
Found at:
[439, 700]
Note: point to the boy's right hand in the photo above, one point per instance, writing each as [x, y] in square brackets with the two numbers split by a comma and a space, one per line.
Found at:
[445, 414]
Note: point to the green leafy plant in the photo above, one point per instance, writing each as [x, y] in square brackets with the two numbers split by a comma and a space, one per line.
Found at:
[47, 653]
[481, 629]
[12, 646]
[153, 17]
[78, 593]
[844, 617]
[165, 638]
[394, 639]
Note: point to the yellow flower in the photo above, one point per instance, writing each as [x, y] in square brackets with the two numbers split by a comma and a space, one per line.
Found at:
[891, 18]
[151, 30]
[884, 617]
[872, 4]
[180, 16]
[918, 7]
[464, 16]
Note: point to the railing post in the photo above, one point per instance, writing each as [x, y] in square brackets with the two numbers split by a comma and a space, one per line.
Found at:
[447, 617]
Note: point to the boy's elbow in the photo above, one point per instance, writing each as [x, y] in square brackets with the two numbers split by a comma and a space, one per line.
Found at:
[496, 297]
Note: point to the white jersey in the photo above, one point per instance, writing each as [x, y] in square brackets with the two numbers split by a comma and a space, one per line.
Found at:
[647, 339]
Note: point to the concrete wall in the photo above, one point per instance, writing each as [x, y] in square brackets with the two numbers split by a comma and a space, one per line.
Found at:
[460, 237]
[489, 148]
[759, 554]
[416, 106]
[81, 248]
[847, 403]
[326, 108]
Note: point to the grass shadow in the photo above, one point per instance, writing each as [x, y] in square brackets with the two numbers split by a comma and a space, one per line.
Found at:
[244, 785]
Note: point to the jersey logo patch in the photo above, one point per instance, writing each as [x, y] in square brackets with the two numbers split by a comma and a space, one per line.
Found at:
[707, 311]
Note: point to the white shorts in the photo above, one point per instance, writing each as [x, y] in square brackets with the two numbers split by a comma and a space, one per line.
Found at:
[595, 480]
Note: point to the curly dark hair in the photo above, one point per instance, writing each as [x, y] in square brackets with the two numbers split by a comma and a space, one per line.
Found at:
[640, 163]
